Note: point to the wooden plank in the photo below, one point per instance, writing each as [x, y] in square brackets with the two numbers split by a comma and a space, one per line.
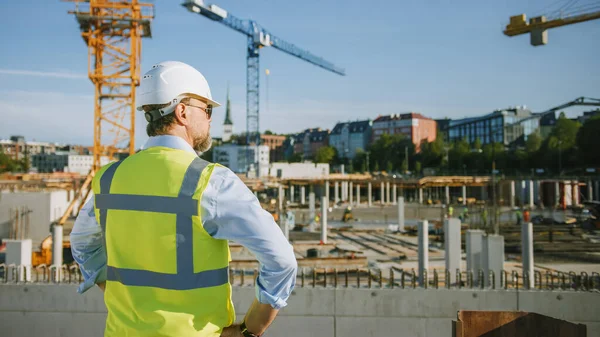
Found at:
[516, 324]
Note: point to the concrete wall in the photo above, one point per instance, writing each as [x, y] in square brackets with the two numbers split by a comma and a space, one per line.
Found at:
[45, 207]
[57, 310]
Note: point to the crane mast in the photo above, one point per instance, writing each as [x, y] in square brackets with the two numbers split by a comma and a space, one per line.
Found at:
[257, 38]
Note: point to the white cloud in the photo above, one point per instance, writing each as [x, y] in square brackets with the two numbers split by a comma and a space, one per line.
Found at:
[61, 74]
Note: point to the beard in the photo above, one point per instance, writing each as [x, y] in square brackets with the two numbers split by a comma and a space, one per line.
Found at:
[202, 143]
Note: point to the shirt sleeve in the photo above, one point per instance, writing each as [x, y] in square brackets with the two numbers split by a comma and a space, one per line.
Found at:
[232, 212]
[87, 247]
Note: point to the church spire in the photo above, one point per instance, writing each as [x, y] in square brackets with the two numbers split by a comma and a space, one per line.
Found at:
[228, 110]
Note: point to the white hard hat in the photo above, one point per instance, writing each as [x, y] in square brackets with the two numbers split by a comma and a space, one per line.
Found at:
[170, 81]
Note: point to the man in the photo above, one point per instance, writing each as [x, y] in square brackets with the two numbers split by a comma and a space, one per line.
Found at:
[154, 236]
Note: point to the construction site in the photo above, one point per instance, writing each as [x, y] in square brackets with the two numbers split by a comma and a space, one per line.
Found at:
[378, 253]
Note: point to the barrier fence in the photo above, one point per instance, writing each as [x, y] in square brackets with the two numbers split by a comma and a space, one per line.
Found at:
[352, 278]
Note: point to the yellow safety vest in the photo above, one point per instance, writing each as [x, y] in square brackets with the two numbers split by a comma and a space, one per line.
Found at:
[166, 276]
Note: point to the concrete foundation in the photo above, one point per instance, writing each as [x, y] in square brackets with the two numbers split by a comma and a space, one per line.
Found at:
[423, 232]
[493, 258]
[473, 244]
[452, 245]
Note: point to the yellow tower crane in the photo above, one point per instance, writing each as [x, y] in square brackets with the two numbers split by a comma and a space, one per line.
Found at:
[537, 26]
[113, 32]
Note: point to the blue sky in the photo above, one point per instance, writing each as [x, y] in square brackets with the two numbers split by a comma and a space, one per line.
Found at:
[439, 58]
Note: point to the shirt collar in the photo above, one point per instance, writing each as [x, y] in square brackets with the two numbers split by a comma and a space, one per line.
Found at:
[173, 142]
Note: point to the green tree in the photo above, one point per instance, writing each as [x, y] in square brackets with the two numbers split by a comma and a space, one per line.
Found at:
[325, 154]
[269, 132]
[295, 158]
[477, 144]
[533, 143]
[389, 167]
[588, 139]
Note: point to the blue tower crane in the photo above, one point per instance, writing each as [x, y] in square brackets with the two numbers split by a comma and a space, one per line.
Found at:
[258, 37]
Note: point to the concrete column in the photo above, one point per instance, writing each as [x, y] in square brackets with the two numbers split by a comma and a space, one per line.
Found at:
[324, 207]
[590, 191]
[370, 194]
[512, 193]
[394, 194]
[351, 199]
[420, 195]
[493, 257]
[387, 192]
[452, 245]
[531, 198]
[539, 197]
[401, 214]
[291, 192]
[57, 251]
[556, 193]
[464, 195]
[474, 241]
[280, 197]
[381, 190]
[575, 193]
[447, 195]
[423, 230]
[327, 189]
[357, 194]
[283, 224]
[302, 195]
[336, 190]
[311, 206]
[527, 253]
[343, 191]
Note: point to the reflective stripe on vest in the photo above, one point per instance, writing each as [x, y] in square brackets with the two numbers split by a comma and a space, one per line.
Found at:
[184, 206]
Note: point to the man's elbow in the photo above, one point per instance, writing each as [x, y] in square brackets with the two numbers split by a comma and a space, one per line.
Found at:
[289, 262]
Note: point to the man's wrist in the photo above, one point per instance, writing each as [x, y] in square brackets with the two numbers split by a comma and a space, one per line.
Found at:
[245, 332]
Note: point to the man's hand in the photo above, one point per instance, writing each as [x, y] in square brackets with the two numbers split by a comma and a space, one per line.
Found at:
[232, 331]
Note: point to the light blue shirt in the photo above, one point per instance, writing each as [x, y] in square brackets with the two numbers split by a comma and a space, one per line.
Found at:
[230, 211]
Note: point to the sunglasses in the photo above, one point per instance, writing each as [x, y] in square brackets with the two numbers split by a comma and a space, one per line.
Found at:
[208, 109]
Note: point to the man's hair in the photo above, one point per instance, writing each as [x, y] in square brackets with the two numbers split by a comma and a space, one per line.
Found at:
[162, 125]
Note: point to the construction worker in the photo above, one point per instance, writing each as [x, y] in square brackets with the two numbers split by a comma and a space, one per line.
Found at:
[526, 215]
[519, 216]
[155, 235]
[450, 211]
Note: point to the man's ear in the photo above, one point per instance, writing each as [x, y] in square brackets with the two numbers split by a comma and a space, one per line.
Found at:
[181, 114]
